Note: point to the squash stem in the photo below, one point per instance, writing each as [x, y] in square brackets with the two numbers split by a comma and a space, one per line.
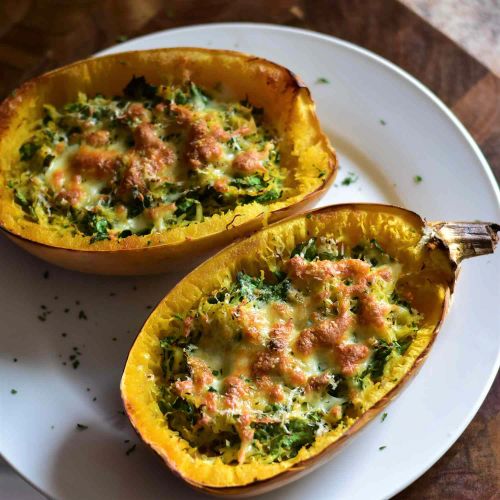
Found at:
[467, 239]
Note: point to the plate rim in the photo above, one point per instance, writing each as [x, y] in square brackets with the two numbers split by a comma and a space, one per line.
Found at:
[437, 102]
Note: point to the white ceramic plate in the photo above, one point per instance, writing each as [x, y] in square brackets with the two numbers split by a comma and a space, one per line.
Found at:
[387, 128]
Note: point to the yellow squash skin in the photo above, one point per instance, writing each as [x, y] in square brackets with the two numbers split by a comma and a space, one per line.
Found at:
[428, 271]
[288, 107]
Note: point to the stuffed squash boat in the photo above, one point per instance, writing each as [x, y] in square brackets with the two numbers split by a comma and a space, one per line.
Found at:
[262, 361]
[131, 163]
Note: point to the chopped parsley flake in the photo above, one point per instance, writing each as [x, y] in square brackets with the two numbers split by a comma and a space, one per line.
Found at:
[130, 450]
[13, 391]
[350, 179]
[81, 427]
[382, 448]
[417, 179]
[322, 79]
[384, 416]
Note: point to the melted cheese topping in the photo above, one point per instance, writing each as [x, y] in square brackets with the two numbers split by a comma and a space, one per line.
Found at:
[154, 158]
[263, 367]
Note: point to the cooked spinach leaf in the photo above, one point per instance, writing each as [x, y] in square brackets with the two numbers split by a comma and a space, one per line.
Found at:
[138, 88]
[257, 289]
[250, 181]
[282, 442]
[307, 250]
[28, 150]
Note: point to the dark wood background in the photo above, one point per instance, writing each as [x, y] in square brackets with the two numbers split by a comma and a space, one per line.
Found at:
[37, 35]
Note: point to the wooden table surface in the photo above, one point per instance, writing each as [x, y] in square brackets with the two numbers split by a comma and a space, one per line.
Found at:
[39, 35]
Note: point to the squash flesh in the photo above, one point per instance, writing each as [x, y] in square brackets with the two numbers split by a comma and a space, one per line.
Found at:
[397, 231]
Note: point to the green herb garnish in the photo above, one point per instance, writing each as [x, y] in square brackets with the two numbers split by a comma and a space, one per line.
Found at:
[350, 179]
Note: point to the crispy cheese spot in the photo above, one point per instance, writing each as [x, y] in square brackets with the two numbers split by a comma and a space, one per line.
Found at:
[95, 163]
[335, 414]
[352, 268]
[136, 111]
[373, 312]
[145, 137]
[248, 162]
[56, 180]
[251, 321]
[317, 382]
[275, 359]
[236, 390]
[271, 358]
[183, 387]
[97, 139]
[349, 356]
[73, 193]
[149, 160]
[202, 146]
[184, 116]
[221, 185]
[265, 362]
[133, 179]
[200, 373]
[187, 324]
[323, 269]
[160, 107]
[302, 269]
[385, 273]
[159, 213]
[59, 147]
[245, 130]
[273, 391]
[279, 335]
[246, 434]
[211, 402]
[220, 134]
[326, 333]
[282, 310]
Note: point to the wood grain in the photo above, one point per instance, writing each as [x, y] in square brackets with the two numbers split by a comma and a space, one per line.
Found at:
[479, 110]
[39, 35]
